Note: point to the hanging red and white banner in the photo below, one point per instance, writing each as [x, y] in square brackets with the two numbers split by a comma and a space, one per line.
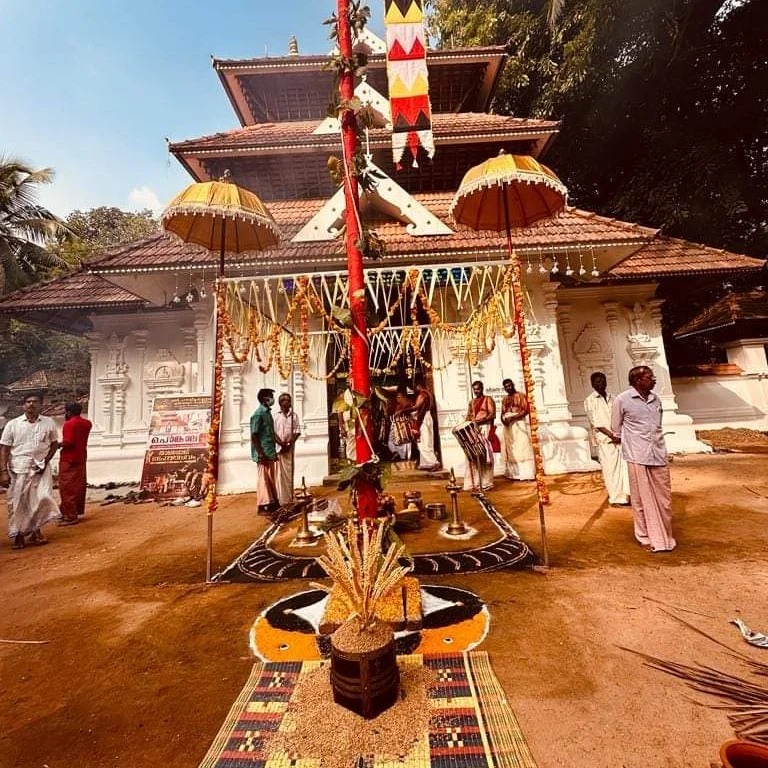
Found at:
[408, 79]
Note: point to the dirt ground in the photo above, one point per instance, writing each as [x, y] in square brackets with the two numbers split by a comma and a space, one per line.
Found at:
[142, 661]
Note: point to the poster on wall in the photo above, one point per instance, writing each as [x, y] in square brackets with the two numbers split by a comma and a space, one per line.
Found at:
[176, 458]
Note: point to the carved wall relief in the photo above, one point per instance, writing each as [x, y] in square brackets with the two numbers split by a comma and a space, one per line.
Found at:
[163, 375]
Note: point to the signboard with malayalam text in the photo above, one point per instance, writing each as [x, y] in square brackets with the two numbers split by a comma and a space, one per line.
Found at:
[177, 447]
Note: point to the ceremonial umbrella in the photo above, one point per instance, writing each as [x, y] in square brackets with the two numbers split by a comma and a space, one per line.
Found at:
[223, 218]
[506, 192]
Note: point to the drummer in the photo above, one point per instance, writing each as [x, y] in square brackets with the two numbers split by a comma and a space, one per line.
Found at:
[400, 405]
[478, 473]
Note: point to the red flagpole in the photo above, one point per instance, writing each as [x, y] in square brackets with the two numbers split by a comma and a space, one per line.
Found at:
[360, 376]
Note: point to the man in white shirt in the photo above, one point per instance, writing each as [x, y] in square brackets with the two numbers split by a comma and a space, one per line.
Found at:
[636, 419]
[597, 408]
[27, 445]
[286, 431]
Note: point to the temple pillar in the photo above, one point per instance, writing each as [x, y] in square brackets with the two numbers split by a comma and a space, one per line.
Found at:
[189, 337]
[113, 383]
[646, 347]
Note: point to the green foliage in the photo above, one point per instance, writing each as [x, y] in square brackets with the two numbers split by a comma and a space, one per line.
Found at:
[664, 105]
[104, 227]
[25, 349]
[664, 110]
[26, 227]
[371, 473]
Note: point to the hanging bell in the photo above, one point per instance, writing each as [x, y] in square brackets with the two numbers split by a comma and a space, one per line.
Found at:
[176, 298]
[203, 292]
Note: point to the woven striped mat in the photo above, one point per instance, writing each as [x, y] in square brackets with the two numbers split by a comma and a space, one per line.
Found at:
[471, 723]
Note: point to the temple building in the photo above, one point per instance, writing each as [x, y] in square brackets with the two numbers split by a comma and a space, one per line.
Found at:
[146, 308]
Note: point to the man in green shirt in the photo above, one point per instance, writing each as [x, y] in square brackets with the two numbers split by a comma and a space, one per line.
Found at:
[264, 451]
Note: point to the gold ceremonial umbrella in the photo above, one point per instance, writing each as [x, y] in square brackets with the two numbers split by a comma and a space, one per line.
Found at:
[505, 192]
[223, 218]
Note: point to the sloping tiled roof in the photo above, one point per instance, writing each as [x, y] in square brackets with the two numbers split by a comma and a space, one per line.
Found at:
[262, 136]
[321, 60]
[728, 310]
[80, 290]
[37, 380]
[573, 228]
[668, 256]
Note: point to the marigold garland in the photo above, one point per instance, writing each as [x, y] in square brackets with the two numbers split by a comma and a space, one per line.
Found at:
[283, 343]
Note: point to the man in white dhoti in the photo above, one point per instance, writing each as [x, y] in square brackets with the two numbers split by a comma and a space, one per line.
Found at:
[423, 427]
[636, 417]
[286, 432]
[520, 464]
[597, 408]
[27, 445]
[478, 473]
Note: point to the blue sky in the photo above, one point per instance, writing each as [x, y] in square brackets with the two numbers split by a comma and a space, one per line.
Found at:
[91, 88]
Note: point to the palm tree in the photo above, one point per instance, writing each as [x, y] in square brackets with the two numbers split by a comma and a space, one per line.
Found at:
[25, 226]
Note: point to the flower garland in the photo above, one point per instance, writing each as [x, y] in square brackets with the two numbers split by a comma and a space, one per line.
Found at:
[251, 333]
[211, 498]
[530, 384]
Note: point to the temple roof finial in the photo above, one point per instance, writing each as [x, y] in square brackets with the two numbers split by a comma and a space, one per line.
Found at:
[293, 46]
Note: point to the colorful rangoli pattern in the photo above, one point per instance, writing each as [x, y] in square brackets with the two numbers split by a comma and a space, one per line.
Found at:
[408, 79]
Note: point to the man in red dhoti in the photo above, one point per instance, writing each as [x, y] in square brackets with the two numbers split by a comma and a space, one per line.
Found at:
[72, 463]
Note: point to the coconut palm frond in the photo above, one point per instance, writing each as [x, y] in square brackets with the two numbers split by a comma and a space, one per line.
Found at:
[26, 227]
[749, 712]
[554, 11]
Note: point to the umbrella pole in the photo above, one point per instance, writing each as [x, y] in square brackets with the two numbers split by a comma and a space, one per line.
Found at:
[542, 493]
[216, 407]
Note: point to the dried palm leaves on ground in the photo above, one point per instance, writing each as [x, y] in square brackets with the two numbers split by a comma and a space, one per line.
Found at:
[748, 714]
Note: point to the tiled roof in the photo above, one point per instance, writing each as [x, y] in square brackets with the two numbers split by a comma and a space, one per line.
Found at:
[80, 290]
[445, 127]
[728, 310]
[573, 228]
[320, 60]
[667, 256]
[36, 380]
[654, 255]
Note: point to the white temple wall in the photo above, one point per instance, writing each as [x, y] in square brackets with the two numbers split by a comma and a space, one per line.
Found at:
[714, 402]
[571, 333]
[613, 329]
[565, 447]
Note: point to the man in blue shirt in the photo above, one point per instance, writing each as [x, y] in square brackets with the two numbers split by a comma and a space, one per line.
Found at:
[636, 418]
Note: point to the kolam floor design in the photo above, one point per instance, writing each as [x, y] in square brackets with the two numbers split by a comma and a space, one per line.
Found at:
[496, 546]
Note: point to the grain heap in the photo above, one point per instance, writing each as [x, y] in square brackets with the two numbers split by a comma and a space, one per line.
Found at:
[316, 727]
[737, 440]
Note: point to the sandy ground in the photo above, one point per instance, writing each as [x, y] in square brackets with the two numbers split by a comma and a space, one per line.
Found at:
[142, 661]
